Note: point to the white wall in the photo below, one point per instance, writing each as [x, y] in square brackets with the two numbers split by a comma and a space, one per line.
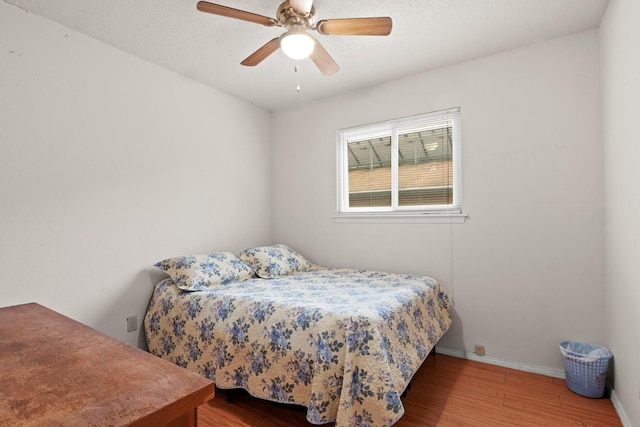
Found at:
[526, 269]
[109, 164]
[619, 35]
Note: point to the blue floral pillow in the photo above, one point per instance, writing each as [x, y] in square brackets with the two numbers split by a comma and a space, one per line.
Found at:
[200, 272]
[274, 261]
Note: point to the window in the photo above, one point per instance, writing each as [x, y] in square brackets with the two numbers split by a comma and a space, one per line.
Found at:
[401, 168]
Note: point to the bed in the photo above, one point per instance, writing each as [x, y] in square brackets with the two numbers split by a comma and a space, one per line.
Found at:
[343, 343]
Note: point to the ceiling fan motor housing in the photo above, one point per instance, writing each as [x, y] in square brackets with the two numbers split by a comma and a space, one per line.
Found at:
[289, 19]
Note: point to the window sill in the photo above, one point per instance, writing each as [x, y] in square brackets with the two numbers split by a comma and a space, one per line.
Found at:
[401, 218]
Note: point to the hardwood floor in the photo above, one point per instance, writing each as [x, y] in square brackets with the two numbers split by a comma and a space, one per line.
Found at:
[446, 391]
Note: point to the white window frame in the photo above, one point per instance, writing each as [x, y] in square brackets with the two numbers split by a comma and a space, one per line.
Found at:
[451, 213]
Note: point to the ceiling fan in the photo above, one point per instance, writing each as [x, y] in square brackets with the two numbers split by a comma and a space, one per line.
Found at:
[298, 16]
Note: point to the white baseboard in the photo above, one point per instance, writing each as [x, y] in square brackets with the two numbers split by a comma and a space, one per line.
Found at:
[535, 369]
[618, 407]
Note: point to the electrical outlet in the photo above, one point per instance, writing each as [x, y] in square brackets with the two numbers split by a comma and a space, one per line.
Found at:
[132, 323]
[479, 350]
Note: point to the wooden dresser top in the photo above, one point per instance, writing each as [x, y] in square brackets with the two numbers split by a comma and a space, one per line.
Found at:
[56, 371]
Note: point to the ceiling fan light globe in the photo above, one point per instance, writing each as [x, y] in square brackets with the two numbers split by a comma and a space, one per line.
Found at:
[297, 45]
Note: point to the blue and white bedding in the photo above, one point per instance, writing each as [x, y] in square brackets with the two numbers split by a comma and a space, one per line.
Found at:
[343, 343]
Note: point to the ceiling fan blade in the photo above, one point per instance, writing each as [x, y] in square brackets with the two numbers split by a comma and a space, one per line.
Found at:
[323, 60]
[356, 26]
[230, 12]
[261, 54]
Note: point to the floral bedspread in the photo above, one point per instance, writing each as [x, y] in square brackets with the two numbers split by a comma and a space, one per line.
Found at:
[343, 343]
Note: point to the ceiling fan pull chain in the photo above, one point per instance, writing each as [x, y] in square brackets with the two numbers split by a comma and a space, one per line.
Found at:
[296, 70]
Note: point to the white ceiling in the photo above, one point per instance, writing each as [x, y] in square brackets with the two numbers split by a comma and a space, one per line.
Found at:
[209, 48]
